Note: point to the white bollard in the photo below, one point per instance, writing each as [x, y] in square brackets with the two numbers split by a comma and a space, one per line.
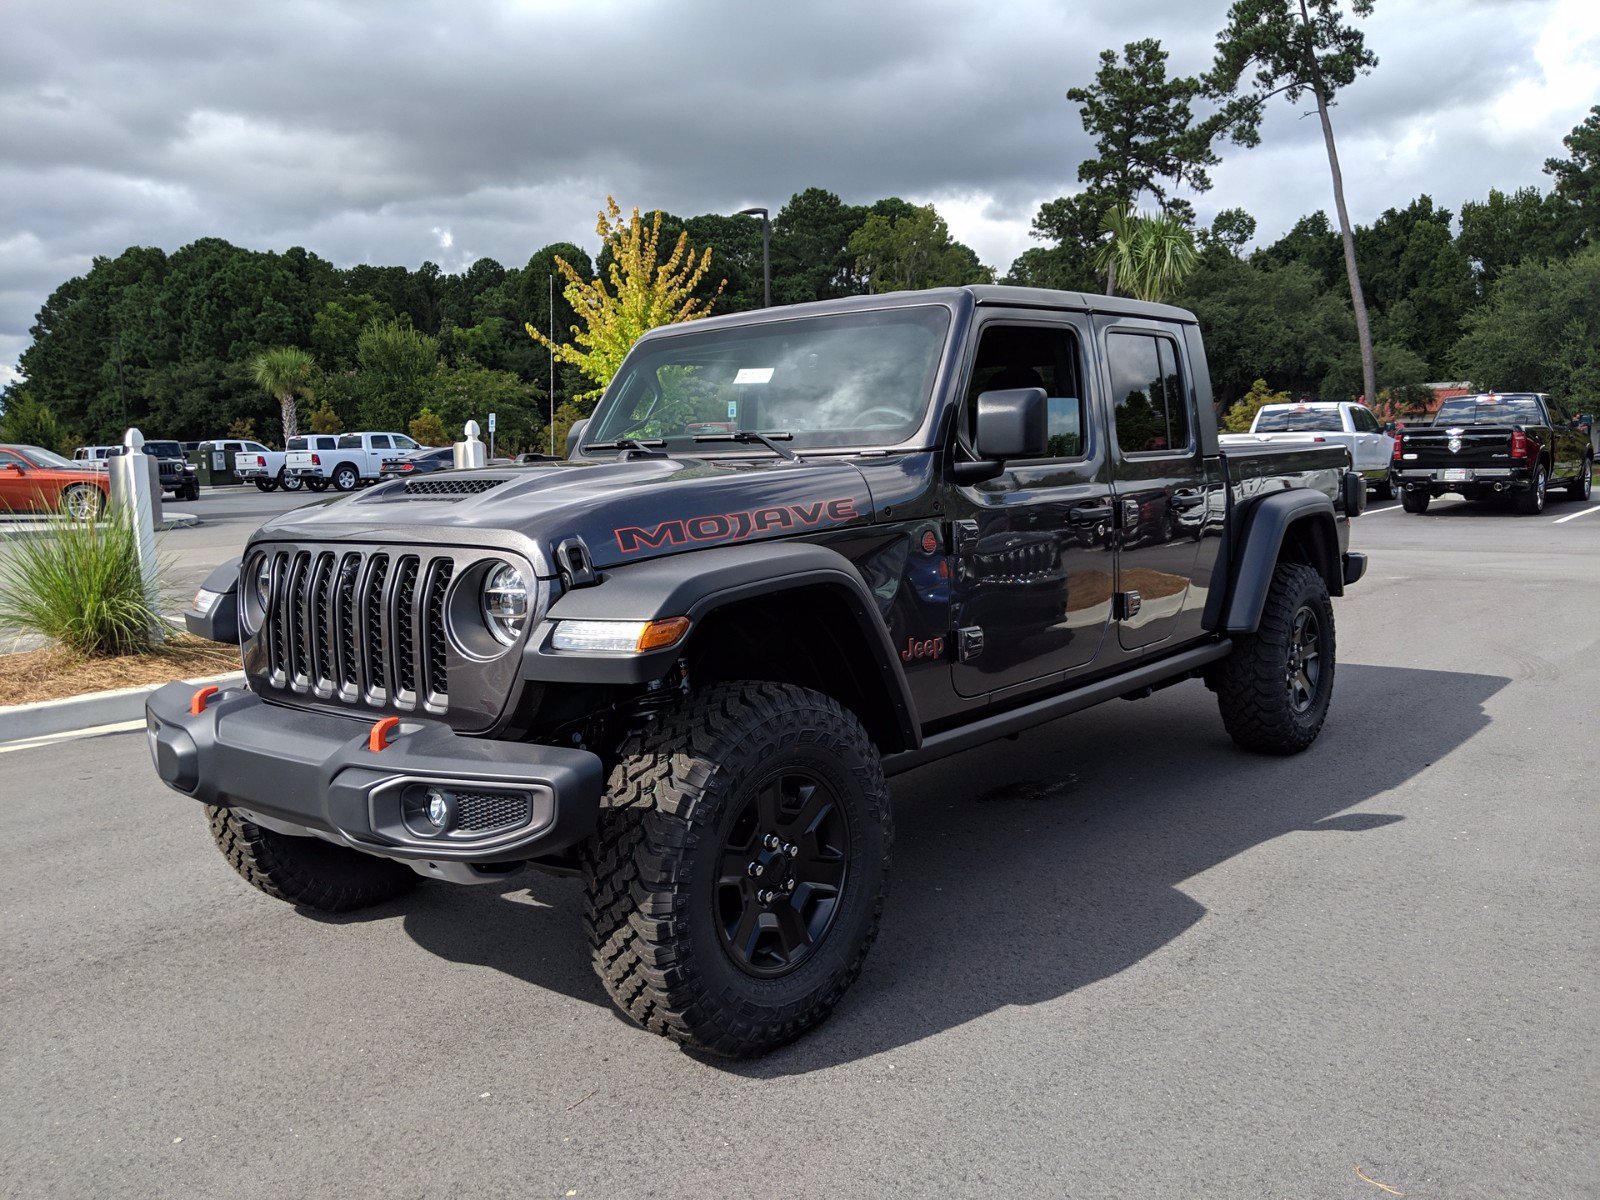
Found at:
[136, 497]
[470, 453]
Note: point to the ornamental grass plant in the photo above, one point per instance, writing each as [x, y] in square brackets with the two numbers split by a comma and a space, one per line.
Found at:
[78, 583]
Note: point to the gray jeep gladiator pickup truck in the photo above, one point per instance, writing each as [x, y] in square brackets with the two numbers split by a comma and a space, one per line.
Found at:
[792, 552]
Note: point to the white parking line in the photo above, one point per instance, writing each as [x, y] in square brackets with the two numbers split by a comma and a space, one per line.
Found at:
[1372, 512]
[1584, 512]
[50, 739]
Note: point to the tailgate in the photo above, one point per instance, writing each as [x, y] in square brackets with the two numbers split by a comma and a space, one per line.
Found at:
[298, 460]
[1435, 449]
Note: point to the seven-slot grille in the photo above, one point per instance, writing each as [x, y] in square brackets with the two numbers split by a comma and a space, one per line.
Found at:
[365, 627]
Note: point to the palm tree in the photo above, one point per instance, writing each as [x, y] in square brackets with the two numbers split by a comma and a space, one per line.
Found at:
[284, 374]
[1152, 256]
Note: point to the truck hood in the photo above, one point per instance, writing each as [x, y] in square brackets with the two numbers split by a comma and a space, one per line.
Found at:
[625, 511]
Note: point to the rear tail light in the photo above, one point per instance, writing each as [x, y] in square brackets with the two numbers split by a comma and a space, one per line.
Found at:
[1396, 454]
[1519, 444]
[408, 466]
[316, 460]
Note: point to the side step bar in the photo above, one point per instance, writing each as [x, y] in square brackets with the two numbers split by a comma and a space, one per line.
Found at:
[1039, 712]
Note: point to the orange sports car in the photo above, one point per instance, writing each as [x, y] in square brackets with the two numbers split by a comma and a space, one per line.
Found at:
[35, 480]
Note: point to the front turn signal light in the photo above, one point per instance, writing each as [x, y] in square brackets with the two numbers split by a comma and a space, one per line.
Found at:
[619, 637]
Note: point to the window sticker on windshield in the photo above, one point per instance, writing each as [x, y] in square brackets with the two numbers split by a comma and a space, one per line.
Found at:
[754, 375]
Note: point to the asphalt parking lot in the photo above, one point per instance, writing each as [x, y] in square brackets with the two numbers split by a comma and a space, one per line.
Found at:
[1120, 957]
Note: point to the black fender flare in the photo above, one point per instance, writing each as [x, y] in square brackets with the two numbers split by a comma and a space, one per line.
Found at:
[1253, 546]
[696, 584]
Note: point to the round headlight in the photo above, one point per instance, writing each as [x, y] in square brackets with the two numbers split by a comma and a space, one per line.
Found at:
[505, 602]
[256, 591]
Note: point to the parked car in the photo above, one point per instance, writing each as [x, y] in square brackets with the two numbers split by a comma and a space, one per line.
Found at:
[307, 460]
[353, 459]
[1353, 426]
[418, 462]
[178, 474]
[95, 457]
[1516, 444]
[265, 468]
[682, 663]
[33, 479]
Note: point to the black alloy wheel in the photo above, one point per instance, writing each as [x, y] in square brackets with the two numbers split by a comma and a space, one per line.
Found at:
[783, 873]
[1531, 502]
[1303, 670]
[317, 485]
[1583, 486]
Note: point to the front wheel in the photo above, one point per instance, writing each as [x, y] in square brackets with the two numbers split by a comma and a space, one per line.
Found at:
[1274, 688]
[736, 879]
[1581, 487]
[266, 485]
[306, 871]
[1531, 502]
[1415, 501]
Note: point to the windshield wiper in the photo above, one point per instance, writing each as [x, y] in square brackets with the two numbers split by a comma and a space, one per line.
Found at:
[626, 443]
[750, 437]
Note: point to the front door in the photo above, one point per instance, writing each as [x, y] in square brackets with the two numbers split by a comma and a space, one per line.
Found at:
[1162, 490]
[1033, 553]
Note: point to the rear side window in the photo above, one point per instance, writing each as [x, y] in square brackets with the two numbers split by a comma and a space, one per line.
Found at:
[1152, 413]
[350, 441]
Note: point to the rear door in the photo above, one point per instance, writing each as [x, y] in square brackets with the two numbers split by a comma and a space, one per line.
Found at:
[1162, 488]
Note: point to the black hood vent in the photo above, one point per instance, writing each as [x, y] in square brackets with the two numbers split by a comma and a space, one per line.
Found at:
[449, 489]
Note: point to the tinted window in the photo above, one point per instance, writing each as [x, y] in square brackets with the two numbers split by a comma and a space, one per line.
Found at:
[1024, 356]
[164, 449]
[255, 448]
[7, 457]
[350, 441]
[295, 443]
[1489, 410]
[380, 441]
[1152, 414]
[404, 443]
[1364, 421]
[1298, 420]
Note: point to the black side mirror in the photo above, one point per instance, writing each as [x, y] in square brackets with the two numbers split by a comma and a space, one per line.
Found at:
[1390, 427]
[574, 434]
[1014, 423]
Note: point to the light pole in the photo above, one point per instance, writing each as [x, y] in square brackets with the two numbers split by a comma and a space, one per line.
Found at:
[766, 252]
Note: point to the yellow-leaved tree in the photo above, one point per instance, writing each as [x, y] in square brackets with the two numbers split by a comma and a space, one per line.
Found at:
[643, 293]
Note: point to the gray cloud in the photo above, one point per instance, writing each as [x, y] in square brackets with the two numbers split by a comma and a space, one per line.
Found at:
[371, 131]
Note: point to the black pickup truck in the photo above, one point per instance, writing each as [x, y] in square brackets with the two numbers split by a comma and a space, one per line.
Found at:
[1497, 444]
[793, 552]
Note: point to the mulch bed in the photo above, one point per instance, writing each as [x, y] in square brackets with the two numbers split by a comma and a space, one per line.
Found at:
[55, 674]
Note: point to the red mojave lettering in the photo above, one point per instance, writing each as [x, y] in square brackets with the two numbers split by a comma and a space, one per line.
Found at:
[735, 526]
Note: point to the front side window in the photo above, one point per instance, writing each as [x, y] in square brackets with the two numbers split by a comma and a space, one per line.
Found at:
[1152, 411]
[855, 379]
[404, 443]
[1033, 356]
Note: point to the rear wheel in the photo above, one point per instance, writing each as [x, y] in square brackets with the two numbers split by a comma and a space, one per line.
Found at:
[289, 483]
[317, 485]
[1275, 686]
[345, 477]
[1581, 487]
[83, 501]
[1384, 490]
[735, 883]
[305, 870]
[1415, 501]
[1531, 502]
[266, 485]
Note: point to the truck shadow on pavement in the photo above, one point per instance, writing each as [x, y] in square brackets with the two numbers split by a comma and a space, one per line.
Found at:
[1028, 869]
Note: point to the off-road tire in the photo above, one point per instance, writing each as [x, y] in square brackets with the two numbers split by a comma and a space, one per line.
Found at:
[345, 478]
[1415, 501]
[1531, 502]
[306, 871]
[1581, 487]
[191, 491]
[266, 485]
[652, 868]
[1253, 692]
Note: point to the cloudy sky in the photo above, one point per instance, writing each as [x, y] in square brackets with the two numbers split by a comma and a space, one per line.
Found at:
[395, 131]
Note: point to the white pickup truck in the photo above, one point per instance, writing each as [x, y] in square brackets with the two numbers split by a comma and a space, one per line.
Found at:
[1353, 426]
[264, 467]
[350, 460]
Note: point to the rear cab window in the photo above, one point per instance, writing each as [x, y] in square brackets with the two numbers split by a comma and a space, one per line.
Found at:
[1149, 394]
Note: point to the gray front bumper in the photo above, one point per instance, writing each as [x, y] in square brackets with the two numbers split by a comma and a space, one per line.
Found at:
[315, 771]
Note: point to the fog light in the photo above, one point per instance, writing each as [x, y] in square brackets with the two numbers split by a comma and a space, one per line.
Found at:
[438, 808]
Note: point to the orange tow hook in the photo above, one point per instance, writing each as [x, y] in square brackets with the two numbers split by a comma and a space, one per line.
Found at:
[379, 737]
[197, 702]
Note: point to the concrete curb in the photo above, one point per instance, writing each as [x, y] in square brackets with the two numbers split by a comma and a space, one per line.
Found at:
[13, 527]
[19, 722]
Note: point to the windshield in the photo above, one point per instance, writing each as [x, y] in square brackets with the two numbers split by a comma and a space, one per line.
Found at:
[856, 379]
[163, 449]
[1296, 420]
[47, 458]
[1489, 410]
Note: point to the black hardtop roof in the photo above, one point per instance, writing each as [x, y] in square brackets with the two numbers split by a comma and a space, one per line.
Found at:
[977, 295]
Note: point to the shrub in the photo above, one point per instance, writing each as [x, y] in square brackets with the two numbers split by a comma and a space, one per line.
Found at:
[325, 420]
[1242, 415]
[428, 429]
[79, 584]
